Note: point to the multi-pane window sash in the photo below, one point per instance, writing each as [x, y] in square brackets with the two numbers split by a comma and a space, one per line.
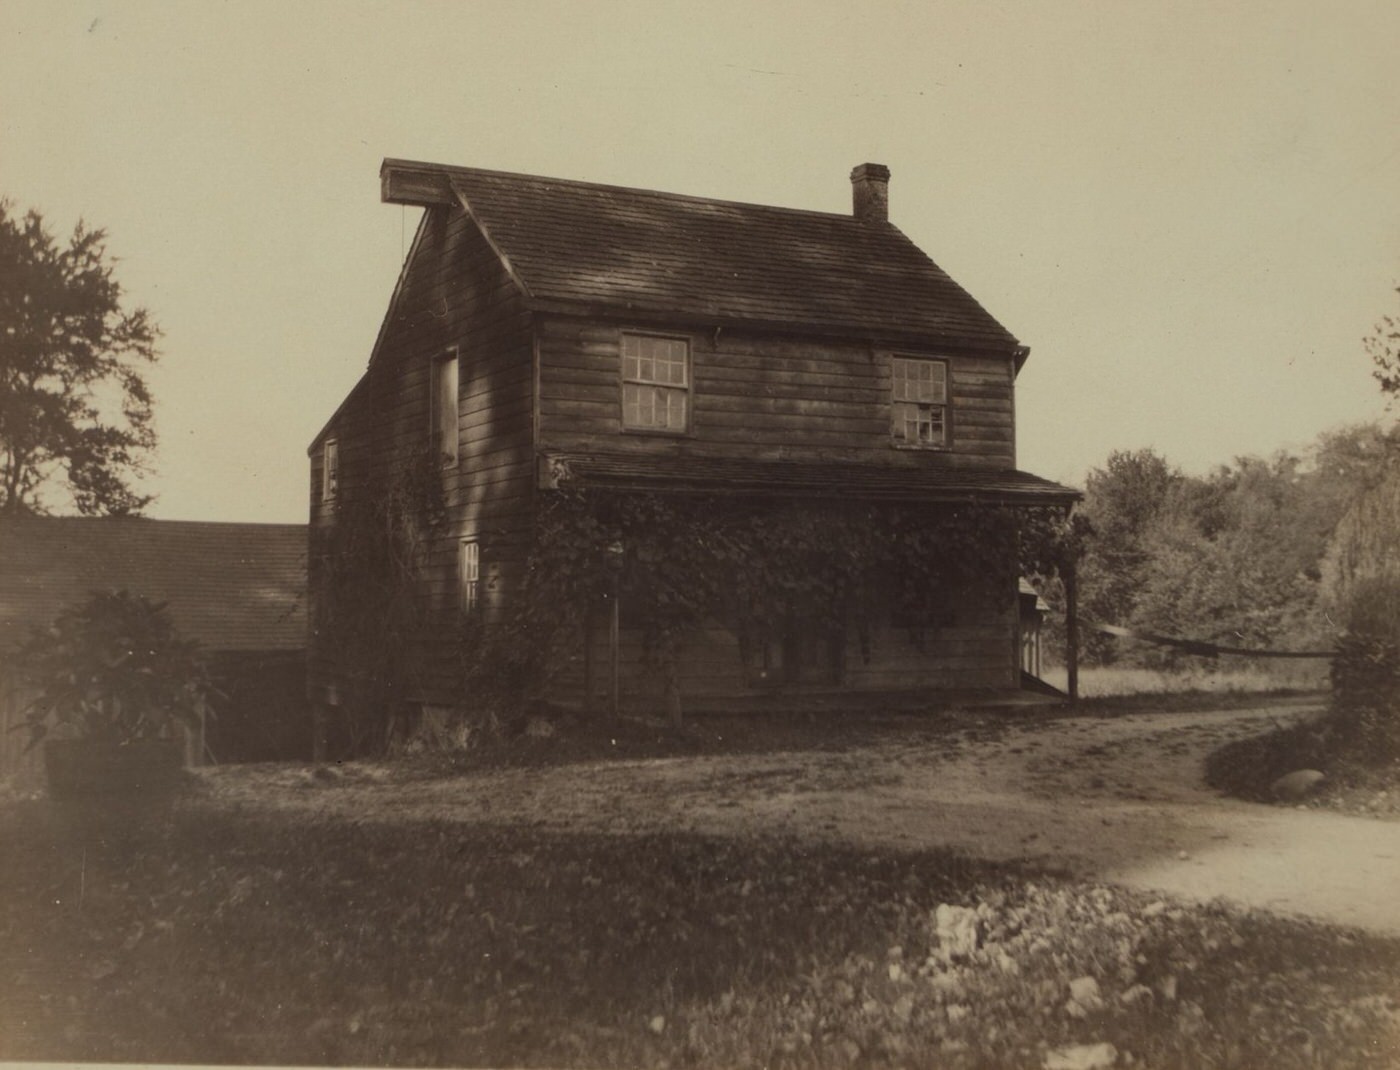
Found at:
[469, 574]
[442, 429]
[330, 470]
[919, 402]
[655, 383]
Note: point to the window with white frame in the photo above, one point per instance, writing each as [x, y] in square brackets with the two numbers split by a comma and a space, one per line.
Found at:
[469, 574]
[442, 407]
[655, 383]
[919, 402]
[330, 469]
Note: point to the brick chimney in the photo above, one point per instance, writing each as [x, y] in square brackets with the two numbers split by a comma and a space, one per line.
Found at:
[870, 192]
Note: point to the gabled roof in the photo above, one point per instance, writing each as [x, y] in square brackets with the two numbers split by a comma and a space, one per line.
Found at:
[803, 479]
[580, 245]
[229, 586]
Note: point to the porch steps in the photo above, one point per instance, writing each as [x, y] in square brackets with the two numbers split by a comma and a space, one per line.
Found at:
[856, 703]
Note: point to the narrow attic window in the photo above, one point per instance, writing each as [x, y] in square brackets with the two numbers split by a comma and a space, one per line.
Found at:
[655, 383]
[919, 402]
[442, 407]
[330, 469]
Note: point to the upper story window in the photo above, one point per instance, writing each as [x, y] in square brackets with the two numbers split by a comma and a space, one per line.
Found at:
[919, 402]
[655, 383]
[330, 469]
[442, 407]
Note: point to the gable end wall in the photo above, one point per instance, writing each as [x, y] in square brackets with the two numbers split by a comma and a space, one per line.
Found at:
[455, 292]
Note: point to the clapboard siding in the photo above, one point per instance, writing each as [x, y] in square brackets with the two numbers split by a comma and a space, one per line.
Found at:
[901, 661]
[536, 382]
[976, 652]
[756, 391]
[454, 292]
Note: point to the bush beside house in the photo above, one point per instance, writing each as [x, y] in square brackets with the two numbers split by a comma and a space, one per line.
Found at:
[238, 590]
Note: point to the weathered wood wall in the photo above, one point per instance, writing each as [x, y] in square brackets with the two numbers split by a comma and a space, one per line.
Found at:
[765, 396]
[552, 383]
[454, 292]
[975, 648]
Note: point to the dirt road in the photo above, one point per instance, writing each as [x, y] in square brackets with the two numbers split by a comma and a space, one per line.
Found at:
[1118, 799]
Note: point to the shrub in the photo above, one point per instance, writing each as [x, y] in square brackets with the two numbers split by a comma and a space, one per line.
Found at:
[1366, 672]
[1247, 768]
[113, 669]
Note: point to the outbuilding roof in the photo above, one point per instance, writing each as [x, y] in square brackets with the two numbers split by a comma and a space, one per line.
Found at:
[230, 586]
[598, 248]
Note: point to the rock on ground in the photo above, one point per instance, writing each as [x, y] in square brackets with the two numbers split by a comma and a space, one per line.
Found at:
[957, 931]
[1082, 1057]
[1296, 785]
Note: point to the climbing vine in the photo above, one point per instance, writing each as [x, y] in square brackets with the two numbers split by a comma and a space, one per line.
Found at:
[680, 560]
[673, 561]
[366, 566]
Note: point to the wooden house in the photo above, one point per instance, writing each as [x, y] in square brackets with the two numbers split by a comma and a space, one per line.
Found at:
[239, 590]
[548, 335]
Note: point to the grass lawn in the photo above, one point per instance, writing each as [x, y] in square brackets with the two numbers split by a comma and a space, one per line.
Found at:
[215, 935]
[1211, 682]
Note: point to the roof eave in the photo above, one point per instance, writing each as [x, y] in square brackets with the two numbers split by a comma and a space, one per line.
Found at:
[785, 479]
[1037, 499]
[708, 321]
[330, 423]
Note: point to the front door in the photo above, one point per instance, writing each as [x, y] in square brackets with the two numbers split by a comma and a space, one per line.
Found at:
[803, 651]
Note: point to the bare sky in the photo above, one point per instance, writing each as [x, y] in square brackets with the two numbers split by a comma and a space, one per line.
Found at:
[1189, 211]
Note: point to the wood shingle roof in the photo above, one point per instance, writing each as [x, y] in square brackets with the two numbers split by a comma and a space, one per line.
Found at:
[230, 586]
[663, 255]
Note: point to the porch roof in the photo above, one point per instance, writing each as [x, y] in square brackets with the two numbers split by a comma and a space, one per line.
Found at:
[688, 474]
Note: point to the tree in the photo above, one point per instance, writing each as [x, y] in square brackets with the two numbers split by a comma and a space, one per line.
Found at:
[75, 411]
[1234, 558]
[1383, 345]
[1364, 553]
[1121, 502]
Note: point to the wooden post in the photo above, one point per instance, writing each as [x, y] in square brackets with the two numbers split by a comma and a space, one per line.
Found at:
[615, 560]
[588, 659]
[671, 669]
[1069, 575]
[615, 650]
[201, 745]
[320, 716]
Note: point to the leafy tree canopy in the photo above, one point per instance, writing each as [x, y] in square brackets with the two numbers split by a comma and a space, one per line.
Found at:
[1254, 553]
[75, 411]
[1365, 547]
[1233, 558]
[1383, 345]
[1121, 503]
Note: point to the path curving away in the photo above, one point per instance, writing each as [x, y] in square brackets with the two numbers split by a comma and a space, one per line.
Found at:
[1118, 799]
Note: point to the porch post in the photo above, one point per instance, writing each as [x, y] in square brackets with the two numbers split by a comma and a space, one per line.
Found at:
[671, 671]
[615, 562]
[588, 659]
[320, 716]
[1070, 577]
[615, 652]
